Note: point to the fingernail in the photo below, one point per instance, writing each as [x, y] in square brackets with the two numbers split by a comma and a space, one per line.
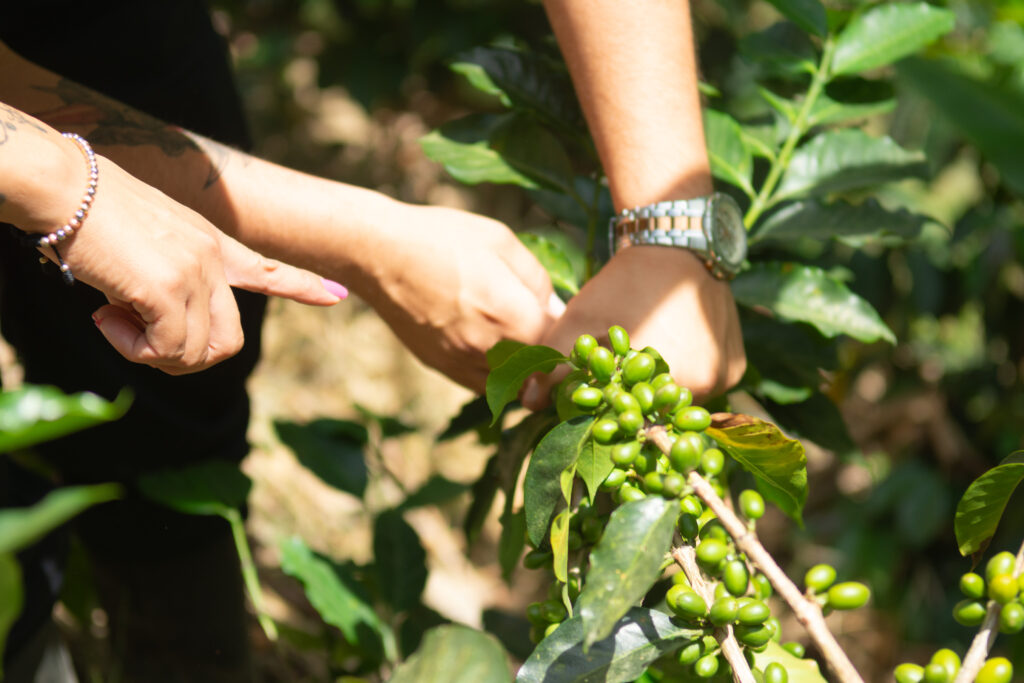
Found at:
[531, 393]
[96, 320]
[334, 288]
[555, 305]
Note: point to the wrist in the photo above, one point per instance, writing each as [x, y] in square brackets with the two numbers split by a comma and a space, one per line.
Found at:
[46, 185]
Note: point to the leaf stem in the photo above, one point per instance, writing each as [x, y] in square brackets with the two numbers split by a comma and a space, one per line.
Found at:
[807, 611]
[986, 636]
[252, 581]
[764, 199]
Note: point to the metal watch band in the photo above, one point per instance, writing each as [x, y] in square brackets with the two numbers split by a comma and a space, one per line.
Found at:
[675, 223]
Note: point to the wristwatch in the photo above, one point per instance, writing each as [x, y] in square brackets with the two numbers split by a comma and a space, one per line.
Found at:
[711, 227]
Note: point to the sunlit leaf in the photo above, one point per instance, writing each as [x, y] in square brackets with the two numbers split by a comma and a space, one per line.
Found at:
[400, 560]
[639, 638]
[560, 544]
[808, 294]
[846, 159]
[542, 488]
[594, 465]
[10, 606]
[210, 488]
[463, 148]
[554, 260]
[33, 414]
[798, 670]
[330, 449]
[21, 527]
[499, 353]
[730, 159]
[505, 381]
[777, 462]
[479, 79]
[807, 14]
[455, 654]
[979, 511]
[888, 32]
[625, 563]
[852, 224]
[851, 98]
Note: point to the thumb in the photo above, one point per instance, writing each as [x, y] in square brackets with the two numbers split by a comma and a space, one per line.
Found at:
[247, 269]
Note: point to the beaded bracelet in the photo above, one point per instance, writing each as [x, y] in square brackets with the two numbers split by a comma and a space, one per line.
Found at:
[52, 239]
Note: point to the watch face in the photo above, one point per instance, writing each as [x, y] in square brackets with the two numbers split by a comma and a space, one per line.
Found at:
[727, 235]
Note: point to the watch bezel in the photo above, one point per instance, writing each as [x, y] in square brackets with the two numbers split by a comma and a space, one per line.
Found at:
[719, 205]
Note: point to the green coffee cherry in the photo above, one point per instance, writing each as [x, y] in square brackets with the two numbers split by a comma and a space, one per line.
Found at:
[587, 397]
[643, 392]
[692, 418]
[723, 611]
[969, 612]
[753, 613]
[630, 421]
[553, 611]
[691, 505]
[672, 484]
[794, 648]
[848, 595]
[624, 454]
[687, 525]
[713, 528]
[661, 380]
[614, 480]
[686, 451]
[575, 540]
[623, 401]
[535, 613]
[995, 670]
[551, 629]
[639, 368]
[679, 579]
[653, 482]
[685, 399]
[751, 504]
[948, 659]
[775, 673]
[685, 602]
[602, 364]
[585, 343]
[706, 666]
[736, 577]
[1002, 588]
[666, 396]
[619, 339]
[936, 673]
[763, 586]
[711, 551]
[712, 461]
[605, 430]
[972, 586]
[754, 635]
[591, 529]
[690, 653]
[909, 673]
[628, 494]
[1001, 563]
[535, 559]
[1011, 618]
[819, 577]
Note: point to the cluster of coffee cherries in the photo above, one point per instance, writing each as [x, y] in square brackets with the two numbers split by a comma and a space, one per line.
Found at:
[999, 585]
[627, 392]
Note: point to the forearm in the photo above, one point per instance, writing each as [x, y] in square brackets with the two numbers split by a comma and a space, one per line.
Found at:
[307, 221]
[634, 69]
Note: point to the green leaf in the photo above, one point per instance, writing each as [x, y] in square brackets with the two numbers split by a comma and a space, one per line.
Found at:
[778, 463]
[479, 79]
[816, 418]
[505, 381]
[807, 14]
[791, 354]
[474, 414]
[500, 352]
[455, 654]
[847, 159]
[888, 32]
[799, 670]
[594, 465]
[850, 98]
[979, 511]
[463, 148]
[400, 560]
[330, 449]
[542, 487]
[637, 640]
[389, 425]
[210, 488]
[533, 150]
[625, 563]
[10, 606]
[33, 414]
[781, 48]
[990, 115]
[328, 589]
[511, 542]
[438, 489]
[787, 109]
[760, 140]
[21, 527]
[560, 545]
[808, 294]
[554, 260]
[856, 225]
[731, 161]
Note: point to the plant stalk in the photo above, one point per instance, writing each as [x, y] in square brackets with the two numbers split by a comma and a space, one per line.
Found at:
[764, 199]
[252, 581]
[986, 636]
[807, 611]
[686, 557]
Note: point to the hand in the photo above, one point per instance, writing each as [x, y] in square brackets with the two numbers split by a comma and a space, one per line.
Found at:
[168, 273]
[665, 298]
[451, 284]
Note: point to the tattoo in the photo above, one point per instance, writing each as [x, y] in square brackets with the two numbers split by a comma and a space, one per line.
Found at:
[11, 118]
[3, 198]
[218, 154]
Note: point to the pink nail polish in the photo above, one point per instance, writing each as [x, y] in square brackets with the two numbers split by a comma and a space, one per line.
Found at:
[334, 288]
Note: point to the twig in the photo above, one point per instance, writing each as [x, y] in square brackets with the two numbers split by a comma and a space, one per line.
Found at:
[986, 636]
[686, 558]
[807, 611]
